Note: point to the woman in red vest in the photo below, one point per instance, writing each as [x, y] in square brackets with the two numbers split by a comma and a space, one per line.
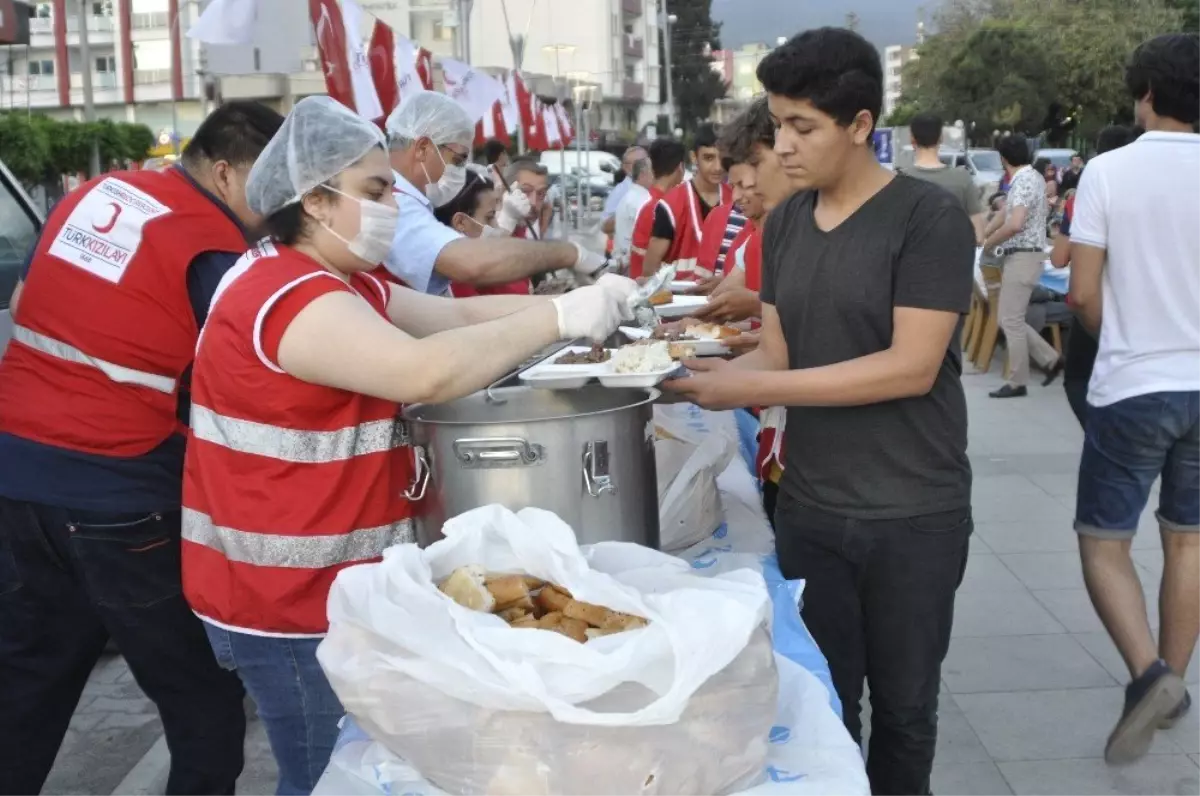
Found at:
[297, 468]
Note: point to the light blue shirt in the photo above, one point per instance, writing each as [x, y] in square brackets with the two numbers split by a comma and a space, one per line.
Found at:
[420, 238]
[616, 195]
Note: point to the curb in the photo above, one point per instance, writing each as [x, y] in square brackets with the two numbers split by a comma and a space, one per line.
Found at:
[149, 775]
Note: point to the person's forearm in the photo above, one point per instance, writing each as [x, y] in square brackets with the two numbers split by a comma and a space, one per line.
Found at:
[1088, 312]
[496, 261]
[1060, 255]
[999, 235]
[979, 223]
[654, 256]
[610, 225]
[875, 378]
[16, 297]
[758, 359]
[481, 309]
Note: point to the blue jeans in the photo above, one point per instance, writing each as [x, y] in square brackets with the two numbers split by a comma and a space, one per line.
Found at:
[1127, 446]
[294, 700]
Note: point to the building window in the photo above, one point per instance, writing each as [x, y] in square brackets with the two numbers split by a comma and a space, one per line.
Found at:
[629, 72]
[45, 10]
[106, 63]
[441, 32]
[42, 67]
[102, 8]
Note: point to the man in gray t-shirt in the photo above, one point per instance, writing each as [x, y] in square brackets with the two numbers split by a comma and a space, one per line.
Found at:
[926, 130]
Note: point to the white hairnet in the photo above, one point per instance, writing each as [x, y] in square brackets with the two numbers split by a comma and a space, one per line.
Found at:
[319, 139]
[431, 115]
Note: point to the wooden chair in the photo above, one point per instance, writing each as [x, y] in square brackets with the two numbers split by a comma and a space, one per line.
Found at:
[983, 348]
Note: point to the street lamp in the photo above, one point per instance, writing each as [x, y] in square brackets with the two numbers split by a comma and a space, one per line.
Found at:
[667, 21]
[782, 40]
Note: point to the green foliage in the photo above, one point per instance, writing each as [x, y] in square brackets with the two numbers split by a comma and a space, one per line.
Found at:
[38, 148]
[693, 37]
[1000, 63]
[902, 114]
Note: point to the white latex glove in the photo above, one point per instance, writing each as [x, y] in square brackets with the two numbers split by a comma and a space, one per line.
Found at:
[594, 312]
[587, 262]
[623, 288]
[514, 209]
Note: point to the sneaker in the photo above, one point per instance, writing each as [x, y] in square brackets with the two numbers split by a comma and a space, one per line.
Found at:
[1149, 700]
[1172, 718]
[1009, 391]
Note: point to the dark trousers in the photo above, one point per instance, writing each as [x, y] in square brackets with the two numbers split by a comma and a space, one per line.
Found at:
[770, 496]
[1077, 371]
[879, 602]
[68, 581]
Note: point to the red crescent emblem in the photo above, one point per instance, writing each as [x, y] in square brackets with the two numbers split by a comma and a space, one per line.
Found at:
[112, 222]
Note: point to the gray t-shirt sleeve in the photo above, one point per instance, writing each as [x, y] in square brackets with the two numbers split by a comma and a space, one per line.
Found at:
[936, 264]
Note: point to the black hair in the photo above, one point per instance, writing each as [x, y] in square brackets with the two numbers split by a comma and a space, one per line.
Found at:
[1113, 137]
[666, 155]
[236, 132]
[1014, 148]
[738, 137]
[926, 129]
[492, 151]
[706, 136]
[835, 69]
[290, 223]
[1168, 68]
[997, 195]
[467, 200]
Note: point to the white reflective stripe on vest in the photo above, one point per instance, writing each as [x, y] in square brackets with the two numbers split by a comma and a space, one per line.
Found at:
[294, 552]
[69, 353]
[292, 445]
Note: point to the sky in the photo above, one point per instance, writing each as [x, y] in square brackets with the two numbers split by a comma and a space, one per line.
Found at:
[883, 22]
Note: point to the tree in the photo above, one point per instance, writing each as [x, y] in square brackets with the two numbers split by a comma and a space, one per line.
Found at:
[37, 148]
[998, 77]
[902, 114]
[695, 84]
[23, 148]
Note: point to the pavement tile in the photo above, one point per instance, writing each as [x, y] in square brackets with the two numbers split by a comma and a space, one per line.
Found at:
[1195, 759]
[1037, 509]
[1153, 774]
[969, 779]
[1101, 647]
[1074, 609]
[1046, 570]
[1021, 537]
[113, 705]
[1001, 613]
[986, 572]
[120, 721]
[1021, 663]
[1049, 725]
[956, 741]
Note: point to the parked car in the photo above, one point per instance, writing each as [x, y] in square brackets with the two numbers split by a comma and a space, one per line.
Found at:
[20, 223]
[983, 164]
[1061, 158]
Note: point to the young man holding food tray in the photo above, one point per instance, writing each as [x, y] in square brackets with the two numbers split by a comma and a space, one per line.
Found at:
[865, 277]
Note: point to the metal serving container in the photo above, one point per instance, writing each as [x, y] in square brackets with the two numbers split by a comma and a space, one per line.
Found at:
[587, 455]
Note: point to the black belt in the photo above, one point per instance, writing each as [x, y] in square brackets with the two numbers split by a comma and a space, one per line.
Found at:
[1001, 251]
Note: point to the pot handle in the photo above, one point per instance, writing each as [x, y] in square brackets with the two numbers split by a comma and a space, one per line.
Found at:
[416, 490]
[496, 451]
[595, 470]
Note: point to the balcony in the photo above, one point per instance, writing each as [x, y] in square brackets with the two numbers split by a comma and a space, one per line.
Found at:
[632, 90]
[632, 8]
[151, 77]
[100, 80]
[634, 48]
[94, 23]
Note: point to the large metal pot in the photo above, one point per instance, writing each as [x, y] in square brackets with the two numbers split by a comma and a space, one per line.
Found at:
[587, 455]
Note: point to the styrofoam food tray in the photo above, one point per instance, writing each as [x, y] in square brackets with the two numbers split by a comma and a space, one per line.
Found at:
[546, 375]
[681, 306]
[703, 348]
[681, 285]
[646, 380]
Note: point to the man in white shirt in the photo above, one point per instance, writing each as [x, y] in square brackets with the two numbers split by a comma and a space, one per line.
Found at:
[430, 138]
[627, 211]
[1135, 277]
[631, 156]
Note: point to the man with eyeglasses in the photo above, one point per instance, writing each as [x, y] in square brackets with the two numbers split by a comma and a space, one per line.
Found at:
[523, 212]
[430, 138]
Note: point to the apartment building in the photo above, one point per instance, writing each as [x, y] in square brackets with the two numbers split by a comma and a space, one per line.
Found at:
[895, 56]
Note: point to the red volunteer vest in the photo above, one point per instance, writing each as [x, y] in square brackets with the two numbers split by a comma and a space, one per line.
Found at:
[752, 257]
[712, 236]
[286, 483]
[519, 287]
[684, 204]
[105, 328]
[643, 226]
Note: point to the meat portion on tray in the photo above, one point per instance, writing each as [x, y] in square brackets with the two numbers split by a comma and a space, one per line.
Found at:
[594, 356]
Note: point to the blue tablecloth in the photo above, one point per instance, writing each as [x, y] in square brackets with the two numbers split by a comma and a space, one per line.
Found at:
[1058, 280]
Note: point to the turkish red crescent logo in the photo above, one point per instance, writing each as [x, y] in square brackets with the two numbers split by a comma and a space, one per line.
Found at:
[112, 222]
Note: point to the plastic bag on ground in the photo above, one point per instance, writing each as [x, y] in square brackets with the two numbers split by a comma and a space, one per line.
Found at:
[809, 752]
[681, 706]
[690, 453]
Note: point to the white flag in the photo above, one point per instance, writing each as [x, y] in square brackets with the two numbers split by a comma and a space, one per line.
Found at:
[489, 125]
[366, 99]
[404, 61]
[550, 119]
[508, 105]
[475, 91]
[226, 22]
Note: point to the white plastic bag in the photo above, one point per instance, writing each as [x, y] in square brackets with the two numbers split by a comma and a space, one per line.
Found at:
[809, 752]
[681, 706]
[690, 452]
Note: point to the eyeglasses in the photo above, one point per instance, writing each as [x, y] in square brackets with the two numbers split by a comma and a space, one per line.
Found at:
[457, 158]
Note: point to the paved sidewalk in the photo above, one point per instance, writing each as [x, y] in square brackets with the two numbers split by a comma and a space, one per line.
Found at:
[1031, 687]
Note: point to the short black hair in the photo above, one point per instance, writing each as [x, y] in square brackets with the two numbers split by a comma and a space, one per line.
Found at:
[666, 155]
[467, 200]
[492, 150]
[1168, 68]
[997, 195]
[738, 137]
[835, 69]
[1014, 148]
[236, 132]
[1113, 137]
[706, 136]
[926, 129]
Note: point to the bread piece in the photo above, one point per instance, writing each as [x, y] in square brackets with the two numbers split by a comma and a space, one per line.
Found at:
[572, 628]
[507, 589]
[594, 615]
[465, 587]
[600, 632]
[529, 620]
[511, 615]
[660, 298]
[524, 604]
[681, 350]
[551, 599]
[550, 620]
[619, 621]
[724, 332]
[532, 583]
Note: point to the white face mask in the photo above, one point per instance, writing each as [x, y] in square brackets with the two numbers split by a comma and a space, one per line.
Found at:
[376, 229]
[489, 231]
[444, 190]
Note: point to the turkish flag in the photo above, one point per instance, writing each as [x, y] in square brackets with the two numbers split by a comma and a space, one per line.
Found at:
[526, 112]
[492, 126]
[535, 134]
[425, 68]
[564, 124]
[326, 16]
[381, 55]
